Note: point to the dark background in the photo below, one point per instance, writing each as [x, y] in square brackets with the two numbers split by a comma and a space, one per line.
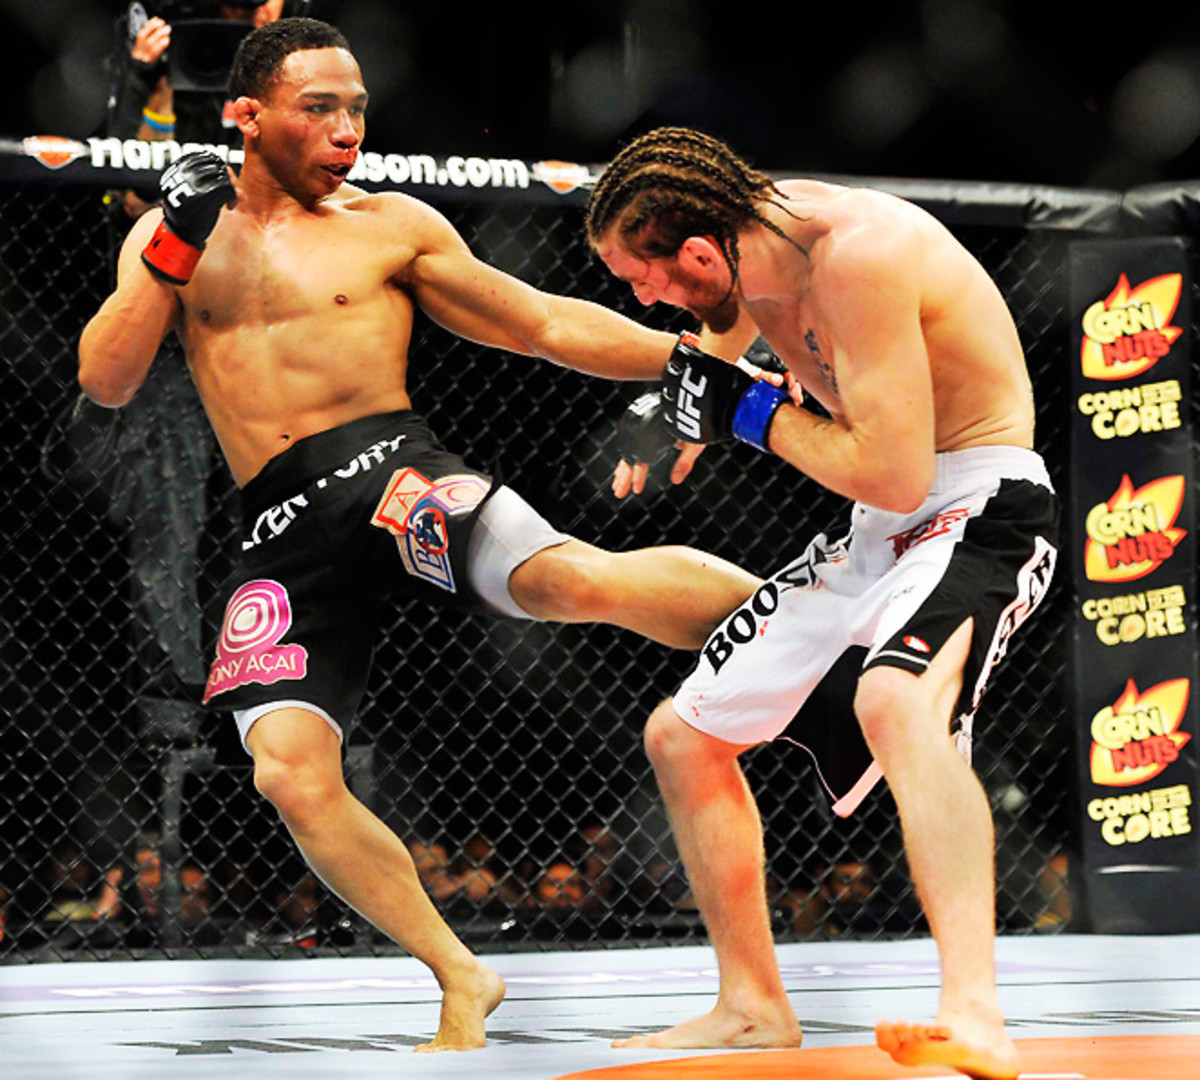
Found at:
[1092, 94]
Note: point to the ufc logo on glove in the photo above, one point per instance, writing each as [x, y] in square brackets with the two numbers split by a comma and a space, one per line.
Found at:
[705, 399]
[691, 390]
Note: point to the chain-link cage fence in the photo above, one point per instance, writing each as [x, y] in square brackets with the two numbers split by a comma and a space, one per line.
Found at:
[507, 755]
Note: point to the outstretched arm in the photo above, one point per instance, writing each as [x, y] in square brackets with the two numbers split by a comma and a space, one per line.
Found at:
[479, 302]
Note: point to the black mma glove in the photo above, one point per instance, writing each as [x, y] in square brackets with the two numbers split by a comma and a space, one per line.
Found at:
[641, 437]
[706, 399]
[194, 189]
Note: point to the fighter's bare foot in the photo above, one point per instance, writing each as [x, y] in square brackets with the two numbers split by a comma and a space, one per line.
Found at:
[466, 1003]
[774, 1029]
[979, 1050]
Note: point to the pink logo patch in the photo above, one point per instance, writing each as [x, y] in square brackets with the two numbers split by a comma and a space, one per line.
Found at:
[248, 651]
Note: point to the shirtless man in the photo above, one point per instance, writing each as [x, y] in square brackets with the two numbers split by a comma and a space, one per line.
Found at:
[294, 295]
[886, 321]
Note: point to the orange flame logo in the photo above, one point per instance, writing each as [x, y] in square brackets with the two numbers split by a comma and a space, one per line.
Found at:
[1127, 333]
[1133, 533]
[1138, 736]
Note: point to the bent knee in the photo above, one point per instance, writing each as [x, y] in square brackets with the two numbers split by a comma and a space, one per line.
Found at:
[300, 792]
[661, 736]
[300, 776]
[902, 714]
[671, 743]
[886, 703]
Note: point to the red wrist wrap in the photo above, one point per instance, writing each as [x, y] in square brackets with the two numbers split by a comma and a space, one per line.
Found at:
[169, 258]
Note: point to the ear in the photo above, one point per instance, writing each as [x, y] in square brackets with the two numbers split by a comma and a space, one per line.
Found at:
[702, 252]
[245, 115]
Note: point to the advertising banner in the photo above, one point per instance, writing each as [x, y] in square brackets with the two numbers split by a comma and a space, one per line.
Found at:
[1132, 533]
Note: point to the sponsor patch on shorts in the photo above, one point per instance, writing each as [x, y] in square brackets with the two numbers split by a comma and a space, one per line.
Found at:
[416, 511]
[258, 615]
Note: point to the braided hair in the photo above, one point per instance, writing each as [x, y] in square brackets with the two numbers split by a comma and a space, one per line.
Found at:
[673, 183]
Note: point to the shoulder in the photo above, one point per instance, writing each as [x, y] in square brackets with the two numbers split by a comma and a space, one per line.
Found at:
[394, 216]
[873, 238]
[871, 260]
[388, 206]
[138, 237]
[143, 228]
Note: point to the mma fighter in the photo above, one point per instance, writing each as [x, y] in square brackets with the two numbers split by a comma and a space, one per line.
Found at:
[293, 295]
[926, 422]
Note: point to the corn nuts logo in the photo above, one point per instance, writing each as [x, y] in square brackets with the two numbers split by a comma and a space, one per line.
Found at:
[1129, 331]
[1138, 736]
[1133, 534]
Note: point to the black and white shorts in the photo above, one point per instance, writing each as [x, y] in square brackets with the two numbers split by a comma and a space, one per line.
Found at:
[982, 546]
[335, 526]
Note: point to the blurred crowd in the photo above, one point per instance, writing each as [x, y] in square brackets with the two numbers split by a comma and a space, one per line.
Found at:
[594, 889]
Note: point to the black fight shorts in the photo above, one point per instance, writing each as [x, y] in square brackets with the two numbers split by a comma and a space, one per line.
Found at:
[333, 527]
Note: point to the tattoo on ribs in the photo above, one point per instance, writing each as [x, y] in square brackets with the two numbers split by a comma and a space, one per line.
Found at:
[823, 365]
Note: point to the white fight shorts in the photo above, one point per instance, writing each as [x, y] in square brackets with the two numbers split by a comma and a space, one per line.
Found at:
[982, 546]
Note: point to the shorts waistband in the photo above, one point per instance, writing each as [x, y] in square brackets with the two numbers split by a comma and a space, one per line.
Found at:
[952, 467]
[316, 456]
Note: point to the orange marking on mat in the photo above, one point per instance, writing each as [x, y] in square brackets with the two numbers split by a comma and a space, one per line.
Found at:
[1109, 1057]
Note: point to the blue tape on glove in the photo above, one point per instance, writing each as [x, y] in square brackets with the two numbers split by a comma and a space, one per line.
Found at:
[754, 413]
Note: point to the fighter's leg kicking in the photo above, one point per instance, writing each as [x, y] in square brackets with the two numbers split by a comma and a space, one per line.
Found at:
[673, 595]
[517, 566]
